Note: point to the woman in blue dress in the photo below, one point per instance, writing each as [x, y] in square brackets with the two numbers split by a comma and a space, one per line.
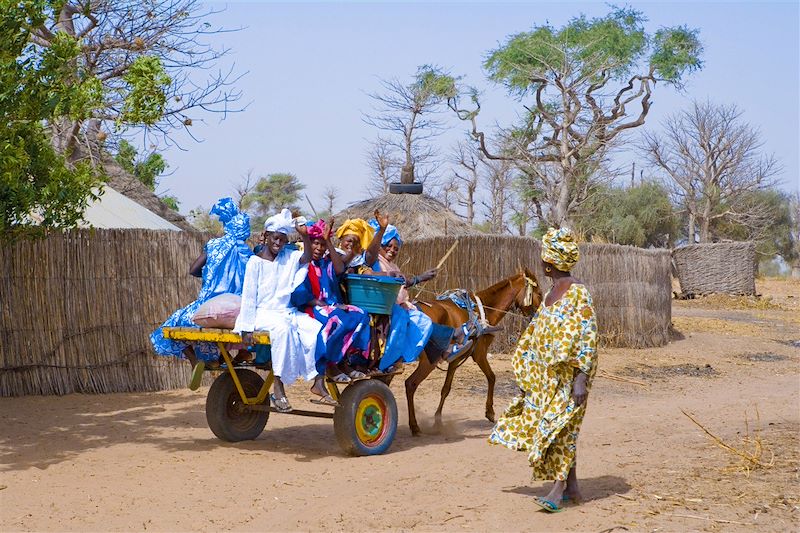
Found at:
[221, 267]
[345, 328]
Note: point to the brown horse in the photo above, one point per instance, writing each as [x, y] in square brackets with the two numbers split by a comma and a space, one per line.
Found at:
[520, 291]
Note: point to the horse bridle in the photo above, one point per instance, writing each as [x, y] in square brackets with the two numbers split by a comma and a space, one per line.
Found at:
[530, 285]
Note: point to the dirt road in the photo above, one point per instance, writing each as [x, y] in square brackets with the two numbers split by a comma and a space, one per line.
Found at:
[134, 462]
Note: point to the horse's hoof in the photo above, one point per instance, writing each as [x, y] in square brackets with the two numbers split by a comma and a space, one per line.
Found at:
[490, 417]
[415, 432]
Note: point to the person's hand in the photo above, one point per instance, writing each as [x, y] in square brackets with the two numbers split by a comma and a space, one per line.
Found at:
[247, 338]
[383, 220]
[302, 229]
[342, 307]
[427, 275]
[579, 393]
[328, 230]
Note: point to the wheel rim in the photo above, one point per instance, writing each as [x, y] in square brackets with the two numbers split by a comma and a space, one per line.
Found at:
[239, 415]
[371, 420]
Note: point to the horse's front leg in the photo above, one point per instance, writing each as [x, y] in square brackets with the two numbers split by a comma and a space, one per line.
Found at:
[423, 370]
[481, 358]
[448, 384]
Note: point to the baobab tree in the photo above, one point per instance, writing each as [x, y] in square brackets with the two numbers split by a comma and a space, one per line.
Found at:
[582, 87]
[713, 163]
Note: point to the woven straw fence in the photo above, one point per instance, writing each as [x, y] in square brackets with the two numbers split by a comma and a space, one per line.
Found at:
[726, 267]
[78, 308]
[630, 286]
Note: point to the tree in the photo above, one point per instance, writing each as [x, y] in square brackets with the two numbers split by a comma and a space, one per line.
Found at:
[640, 215]
[498, 183]
[147, 170]
[582, 83]
[39, 189]
[408, 112]
[713, 163]
[128, 64]
[330, 194]
[383, 165]
[203, 220]
[468, 161]
[269, 195]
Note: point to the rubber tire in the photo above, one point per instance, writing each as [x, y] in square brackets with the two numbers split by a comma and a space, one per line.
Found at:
[344, 418]
[405, 188]
[225, 412]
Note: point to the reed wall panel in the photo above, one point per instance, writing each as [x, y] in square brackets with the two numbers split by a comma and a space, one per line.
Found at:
[725, 267]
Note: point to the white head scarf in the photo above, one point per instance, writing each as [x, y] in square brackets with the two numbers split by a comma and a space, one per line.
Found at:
[280, 223]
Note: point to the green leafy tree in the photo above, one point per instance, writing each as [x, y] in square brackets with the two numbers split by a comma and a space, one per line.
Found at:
[408, 114]
[269, 195]
[147, 170]
[582, 86]
[39, 189]
[203, 220]
[640, 215]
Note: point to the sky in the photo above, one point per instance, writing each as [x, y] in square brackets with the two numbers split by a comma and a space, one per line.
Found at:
[309, 67]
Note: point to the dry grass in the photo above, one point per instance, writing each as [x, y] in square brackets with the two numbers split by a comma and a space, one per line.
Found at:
[750, 454]
[694, 324]
[727, 301]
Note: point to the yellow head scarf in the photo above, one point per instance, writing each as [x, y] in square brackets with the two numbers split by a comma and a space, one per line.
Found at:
[359, 228]
[560, 249]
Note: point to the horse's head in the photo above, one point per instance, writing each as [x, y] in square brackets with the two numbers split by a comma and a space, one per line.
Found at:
[530, 294]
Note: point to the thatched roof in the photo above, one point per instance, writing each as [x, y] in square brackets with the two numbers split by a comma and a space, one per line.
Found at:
[415, 215]
[124, 183]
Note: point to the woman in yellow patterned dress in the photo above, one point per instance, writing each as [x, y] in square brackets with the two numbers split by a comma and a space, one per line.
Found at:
[554, 363]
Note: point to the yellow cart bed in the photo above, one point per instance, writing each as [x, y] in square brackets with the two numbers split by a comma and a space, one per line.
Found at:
[237, 405]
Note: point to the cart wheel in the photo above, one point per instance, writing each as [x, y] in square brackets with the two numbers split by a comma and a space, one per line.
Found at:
[366, 422]
[227, 416]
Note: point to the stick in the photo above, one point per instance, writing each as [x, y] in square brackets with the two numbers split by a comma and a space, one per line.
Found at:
[718, 520]
[722, 444]
[450, 251]
[614, 377]
[312, 206]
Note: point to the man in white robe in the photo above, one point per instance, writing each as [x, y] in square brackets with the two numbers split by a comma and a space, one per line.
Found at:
[270, 278]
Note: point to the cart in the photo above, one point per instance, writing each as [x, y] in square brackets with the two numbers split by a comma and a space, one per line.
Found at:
[237, 405]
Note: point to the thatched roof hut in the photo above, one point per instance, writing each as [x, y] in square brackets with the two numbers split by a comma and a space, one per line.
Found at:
[124, 183]
[415, 215]
[725, 267]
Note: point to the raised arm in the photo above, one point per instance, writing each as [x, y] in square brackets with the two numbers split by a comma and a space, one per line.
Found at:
[339, 265]
[302, 229]
[374, 248]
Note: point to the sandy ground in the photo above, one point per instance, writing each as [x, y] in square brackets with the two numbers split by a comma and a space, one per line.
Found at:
[149, 462]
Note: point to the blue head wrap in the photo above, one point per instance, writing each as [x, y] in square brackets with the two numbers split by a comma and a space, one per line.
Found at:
[238, 226]
[390, 233]
[225, 209]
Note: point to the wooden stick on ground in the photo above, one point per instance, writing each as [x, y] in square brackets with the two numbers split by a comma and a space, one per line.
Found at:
[709, 519]
[446, 255]
[614, 377]
[752, 458]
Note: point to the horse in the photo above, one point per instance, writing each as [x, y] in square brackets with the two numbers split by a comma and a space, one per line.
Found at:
[520, 291]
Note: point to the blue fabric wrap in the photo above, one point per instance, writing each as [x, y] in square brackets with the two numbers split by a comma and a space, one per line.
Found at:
[223, 272]
[409, 332]
[225, 209]
[390, 233]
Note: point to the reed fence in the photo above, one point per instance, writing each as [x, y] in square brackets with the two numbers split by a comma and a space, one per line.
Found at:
[78, 307]
[725, 267]
[630, 286]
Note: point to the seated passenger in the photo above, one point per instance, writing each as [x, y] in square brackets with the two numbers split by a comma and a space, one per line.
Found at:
[269, 280]
[410, 329]
[221, 266]
[359, 242]
[345, 329]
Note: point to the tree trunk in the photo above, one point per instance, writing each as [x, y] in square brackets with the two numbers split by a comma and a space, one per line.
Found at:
[690, 230]
[407, 173]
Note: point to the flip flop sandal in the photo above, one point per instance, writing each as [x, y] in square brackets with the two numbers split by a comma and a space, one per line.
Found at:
[547, 505]
[281, 404]
[341, 377]
[357, 374]
[325, 400]
[197, 375]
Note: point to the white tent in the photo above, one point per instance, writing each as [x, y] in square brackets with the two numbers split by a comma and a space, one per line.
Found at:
[115, 210]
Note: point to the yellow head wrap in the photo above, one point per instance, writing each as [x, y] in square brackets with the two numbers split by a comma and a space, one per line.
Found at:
[359, 228]
[560, 249]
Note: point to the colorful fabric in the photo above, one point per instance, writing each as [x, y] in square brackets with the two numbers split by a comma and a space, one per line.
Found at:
[317, 229]
[389, 234]
[560, 340]
[226, 261]
[280, 223]
[560, 249]
[358, 227]
[345, 328]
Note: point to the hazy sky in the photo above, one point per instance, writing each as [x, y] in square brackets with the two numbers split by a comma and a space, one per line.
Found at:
[309, 67]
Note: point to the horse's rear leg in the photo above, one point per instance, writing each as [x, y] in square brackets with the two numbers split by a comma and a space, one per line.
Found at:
[482, 360]
[448, 383]
[423, 370]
